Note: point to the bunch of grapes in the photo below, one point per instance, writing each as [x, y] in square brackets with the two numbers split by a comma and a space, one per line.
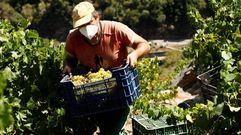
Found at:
[90, 77]
[100, 75]
[78, 79]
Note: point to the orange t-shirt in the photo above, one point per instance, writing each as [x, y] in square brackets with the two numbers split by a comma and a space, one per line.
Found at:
[112, 47]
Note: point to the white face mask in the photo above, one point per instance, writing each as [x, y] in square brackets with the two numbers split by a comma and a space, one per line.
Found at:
[89, 31]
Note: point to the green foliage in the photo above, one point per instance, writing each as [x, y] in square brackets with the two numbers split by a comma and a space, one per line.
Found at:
[8, 12]
[52, 18]
[32, 68]
[153, 90]
[146, 16]
[149, 71]
[156, 89]
[132, 10]
[6, 119]
[217, 42]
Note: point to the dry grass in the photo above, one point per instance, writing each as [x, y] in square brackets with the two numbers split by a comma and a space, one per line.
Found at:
[169, 65]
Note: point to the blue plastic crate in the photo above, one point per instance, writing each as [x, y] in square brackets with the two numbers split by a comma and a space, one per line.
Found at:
[127, 78]
[105, 95]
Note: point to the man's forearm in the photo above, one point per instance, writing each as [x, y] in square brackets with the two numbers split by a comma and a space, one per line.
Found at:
[70, 61]
[142, 49]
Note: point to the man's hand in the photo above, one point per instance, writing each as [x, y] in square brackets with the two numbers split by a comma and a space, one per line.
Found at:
[67, 69]
[132, 59]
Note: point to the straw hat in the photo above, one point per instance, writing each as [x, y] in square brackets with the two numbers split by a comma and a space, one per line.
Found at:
[82, 13]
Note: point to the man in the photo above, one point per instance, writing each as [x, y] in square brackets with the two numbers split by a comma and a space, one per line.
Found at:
[95, 43]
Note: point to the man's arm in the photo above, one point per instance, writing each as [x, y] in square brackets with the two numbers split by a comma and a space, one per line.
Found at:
[70, 60]
[69, 63]
[141, 47]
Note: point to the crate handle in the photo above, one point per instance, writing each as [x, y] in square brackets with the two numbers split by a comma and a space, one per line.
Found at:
[65, 79]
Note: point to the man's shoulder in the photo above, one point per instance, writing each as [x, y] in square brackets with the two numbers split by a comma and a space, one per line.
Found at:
[114, 25]
[72, 30]
[108, 22]
[73, 33]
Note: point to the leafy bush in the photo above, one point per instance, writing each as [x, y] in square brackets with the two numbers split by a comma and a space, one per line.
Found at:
[155, 82]
[6, 119]
[32, 68]
[217, 42]
[147, 17]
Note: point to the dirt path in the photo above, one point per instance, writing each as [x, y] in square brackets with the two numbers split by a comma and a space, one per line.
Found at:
[163, 45]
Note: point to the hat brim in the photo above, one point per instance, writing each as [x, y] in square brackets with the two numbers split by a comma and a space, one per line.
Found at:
[82, 21]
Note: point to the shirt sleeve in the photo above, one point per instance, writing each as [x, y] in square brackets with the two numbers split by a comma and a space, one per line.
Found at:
[125, 34]
[69, 47]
